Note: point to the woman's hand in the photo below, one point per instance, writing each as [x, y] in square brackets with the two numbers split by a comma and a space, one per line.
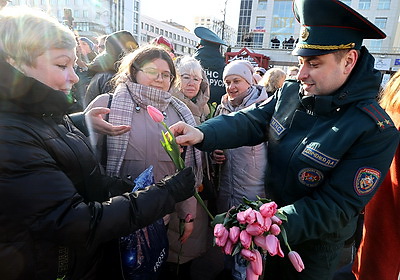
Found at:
[218, 156]
[96, 122]
[187, 231]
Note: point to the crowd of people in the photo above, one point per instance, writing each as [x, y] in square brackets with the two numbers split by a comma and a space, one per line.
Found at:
[75, 137]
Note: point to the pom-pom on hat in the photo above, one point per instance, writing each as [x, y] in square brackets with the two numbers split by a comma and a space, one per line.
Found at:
[164, 42]
[242, 68]
[330, 25]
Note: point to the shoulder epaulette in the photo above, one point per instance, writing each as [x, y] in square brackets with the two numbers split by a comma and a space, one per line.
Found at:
[379, 115]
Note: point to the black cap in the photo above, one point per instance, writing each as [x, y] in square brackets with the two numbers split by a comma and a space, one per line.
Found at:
[330, 25]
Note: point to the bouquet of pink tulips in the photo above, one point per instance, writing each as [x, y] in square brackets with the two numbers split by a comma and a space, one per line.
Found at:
[251, 229]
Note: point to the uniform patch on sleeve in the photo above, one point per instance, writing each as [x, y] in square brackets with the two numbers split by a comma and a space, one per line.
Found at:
[310, 177]
[276, 126]
[366, 180]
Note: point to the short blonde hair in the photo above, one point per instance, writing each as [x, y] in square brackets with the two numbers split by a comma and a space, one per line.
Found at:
[26, 33]
[273, 79]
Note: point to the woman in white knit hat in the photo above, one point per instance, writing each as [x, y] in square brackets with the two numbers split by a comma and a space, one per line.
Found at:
[242, 169]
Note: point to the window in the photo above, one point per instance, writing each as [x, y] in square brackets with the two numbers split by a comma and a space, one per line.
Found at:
[375, 45]
[85, 13]
[364, 4]
[260, 22]
[157, 30]
[381, 22]
[347, 2]
[77, 14]
[262, 5]
[384, 4]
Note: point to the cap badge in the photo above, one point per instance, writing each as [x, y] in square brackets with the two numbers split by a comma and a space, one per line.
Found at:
[304, 33]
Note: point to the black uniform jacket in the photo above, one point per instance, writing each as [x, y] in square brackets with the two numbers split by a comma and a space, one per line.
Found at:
[326, 154]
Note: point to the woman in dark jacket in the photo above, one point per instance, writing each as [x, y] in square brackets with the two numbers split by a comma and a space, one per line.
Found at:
[56, 208]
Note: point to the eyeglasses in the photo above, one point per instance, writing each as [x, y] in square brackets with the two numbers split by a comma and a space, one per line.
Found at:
[186, 79]
[154, 74]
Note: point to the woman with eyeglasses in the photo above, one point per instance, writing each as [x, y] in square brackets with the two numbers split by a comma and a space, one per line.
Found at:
[144, 78]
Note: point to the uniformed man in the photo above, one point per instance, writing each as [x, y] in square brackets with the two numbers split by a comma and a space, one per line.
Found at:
[329, 142]
[209, 55]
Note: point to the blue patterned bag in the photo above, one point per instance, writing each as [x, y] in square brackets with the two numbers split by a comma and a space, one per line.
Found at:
[144, 251]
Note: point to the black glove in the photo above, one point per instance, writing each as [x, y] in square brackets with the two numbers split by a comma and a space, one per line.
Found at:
[180, 185]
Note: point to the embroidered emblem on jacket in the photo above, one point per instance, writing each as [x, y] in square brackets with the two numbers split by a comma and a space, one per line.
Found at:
[310, 177]
[366, 180]
[276, 126]
[319, 157]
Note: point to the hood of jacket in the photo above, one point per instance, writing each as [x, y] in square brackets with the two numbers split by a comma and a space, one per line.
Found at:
[103, 62]
[363, 83]
[22, 94]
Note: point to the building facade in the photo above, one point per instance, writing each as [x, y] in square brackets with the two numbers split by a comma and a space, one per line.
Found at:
[260, 21]
[183, 41]
[224, 31]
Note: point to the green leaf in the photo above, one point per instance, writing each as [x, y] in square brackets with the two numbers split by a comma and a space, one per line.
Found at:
[237, 249]
[219, 219]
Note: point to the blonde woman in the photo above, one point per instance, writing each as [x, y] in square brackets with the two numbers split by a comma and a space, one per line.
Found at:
[272, 80]
[57, 208]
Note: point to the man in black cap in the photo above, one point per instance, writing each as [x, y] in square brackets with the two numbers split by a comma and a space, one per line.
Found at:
[209, 55]
[329, 142]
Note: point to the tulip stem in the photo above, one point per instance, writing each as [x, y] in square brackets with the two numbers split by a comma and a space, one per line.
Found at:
[200, 200]
[284, 236]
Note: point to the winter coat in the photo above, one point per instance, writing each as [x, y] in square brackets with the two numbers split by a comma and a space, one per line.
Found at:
[55, 210]
[213, 64]
[327, 155]
[242, 173]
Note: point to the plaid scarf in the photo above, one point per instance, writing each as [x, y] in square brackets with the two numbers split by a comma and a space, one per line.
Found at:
[127, 96]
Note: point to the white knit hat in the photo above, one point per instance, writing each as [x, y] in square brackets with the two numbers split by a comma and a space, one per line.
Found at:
[242, 68]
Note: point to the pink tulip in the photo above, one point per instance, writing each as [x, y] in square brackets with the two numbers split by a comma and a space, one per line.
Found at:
[276, 220]
[256, 265]
[260, 219]
[267, 224]
[260, 241]
[268, 209]
[234, 233]
[245, 239]
[228, 247]
[250, 275]
[219, 230]
[221, 241]
[275, 229]
[155, 114]
[250, 215]
[280, 252]
[296, 260]
[254, 229]
[272, 243]
[248, 255]
[241, 218]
